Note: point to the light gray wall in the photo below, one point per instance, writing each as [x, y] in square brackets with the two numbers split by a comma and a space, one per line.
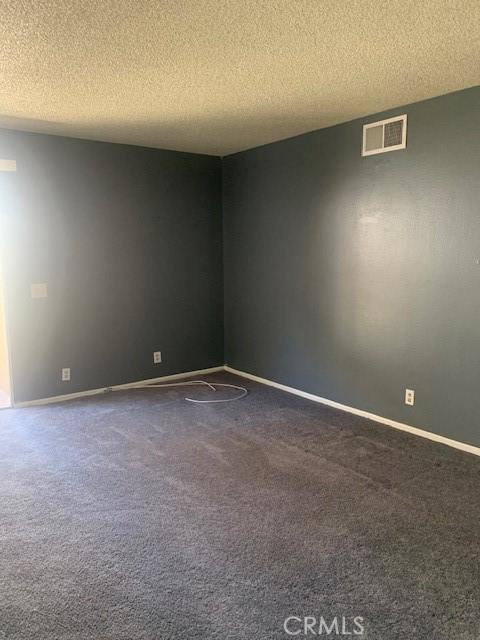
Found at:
[129, 241]
[354, 278]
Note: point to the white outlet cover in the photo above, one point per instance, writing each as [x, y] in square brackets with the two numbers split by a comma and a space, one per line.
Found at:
[157, 357]
[39, 290]
[8, 165]
[410, 397]
[65, 374]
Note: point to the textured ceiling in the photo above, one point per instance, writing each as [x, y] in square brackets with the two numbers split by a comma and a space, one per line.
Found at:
[218, 76]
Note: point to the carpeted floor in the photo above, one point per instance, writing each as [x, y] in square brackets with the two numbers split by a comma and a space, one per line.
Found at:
[136, 515]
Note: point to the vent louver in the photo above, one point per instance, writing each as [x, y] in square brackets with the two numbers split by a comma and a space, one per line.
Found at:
[385, 135]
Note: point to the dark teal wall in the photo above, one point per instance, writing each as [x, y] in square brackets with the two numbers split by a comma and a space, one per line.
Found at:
[353, 278]
[129, 241]
[348, 277]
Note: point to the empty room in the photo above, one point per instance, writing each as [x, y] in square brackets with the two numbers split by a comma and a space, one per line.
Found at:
[239, 319]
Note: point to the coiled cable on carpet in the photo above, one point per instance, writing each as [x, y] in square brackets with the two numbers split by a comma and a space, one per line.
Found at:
[211, 385]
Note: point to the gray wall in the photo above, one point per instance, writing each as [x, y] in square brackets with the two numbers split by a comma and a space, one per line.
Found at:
[354, 278]
[129, 241]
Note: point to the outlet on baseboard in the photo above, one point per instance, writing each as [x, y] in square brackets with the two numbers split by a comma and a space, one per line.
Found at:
[410, 397]
[66, 374]
[157, 357]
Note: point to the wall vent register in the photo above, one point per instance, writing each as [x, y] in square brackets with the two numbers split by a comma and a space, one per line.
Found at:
[384, 135]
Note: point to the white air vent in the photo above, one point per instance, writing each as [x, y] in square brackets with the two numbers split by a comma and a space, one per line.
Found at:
[385, 135]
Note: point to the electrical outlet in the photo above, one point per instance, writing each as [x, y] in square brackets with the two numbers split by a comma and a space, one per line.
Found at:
[8, 165]
[410, 397]
[39, 290]
[157, 357]
[66, 374]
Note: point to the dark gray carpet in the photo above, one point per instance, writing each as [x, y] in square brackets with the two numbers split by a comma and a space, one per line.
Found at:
[136, 515]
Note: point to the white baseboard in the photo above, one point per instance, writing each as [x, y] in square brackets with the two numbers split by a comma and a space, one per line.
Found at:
[128, 385]
[359, 412]
[463, 446]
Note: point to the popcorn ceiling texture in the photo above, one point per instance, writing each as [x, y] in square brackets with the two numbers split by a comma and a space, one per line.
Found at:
[218, 77]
